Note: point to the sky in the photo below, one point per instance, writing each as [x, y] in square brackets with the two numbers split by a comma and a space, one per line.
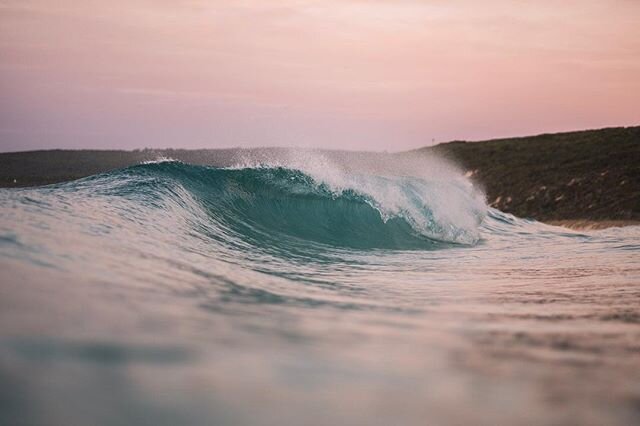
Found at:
[352, 74]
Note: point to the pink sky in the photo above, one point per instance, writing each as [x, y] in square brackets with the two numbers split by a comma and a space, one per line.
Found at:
[355, 74]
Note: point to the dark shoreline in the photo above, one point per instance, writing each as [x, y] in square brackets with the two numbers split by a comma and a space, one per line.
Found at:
[575, 179]
[586, 176]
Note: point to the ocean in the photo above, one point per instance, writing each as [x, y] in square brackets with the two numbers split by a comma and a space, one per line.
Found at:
[303, 290]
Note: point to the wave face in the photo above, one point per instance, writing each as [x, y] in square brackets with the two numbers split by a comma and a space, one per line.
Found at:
[169, 293]
[280, 206]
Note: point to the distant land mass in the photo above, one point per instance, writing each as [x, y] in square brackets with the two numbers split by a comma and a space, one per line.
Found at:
[591, 175]
[564, 178]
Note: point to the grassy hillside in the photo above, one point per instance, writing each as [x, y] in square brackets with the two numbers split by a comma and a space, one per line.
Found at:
[592, 174]
[587, 175]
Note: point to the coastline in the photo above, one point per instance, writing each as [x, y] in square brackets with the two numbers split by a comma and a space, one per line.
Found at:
[580, 180]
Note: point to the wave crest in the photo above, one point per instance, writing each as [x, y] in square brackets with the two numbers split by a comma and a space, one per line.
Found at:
[271, 204]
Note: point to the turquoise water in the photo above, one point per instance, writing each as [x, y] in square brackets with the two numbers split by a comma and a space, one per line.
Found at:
[168, 293]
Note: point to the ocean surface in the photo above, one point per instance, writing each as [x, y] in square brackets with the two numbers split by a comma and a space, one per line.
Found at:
[308, 291]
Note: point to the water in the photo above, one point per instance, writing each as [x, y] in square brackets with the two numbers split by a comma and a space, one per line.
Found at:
[301, 291]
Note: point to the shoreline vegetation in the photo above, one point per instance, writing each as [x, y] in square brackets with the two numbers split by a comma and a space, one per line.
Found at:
[581, 180]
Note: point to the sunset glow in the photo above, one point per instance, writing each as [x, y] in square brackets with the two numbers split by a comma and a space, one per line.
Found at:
[353, 74]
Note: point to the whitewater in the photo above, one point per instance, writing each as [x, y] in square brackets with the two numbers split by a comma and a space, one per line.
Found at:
[305, 288]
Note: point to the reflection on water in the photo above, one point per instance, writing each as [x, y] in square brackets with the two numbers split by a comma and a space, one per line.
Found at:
[133, 298]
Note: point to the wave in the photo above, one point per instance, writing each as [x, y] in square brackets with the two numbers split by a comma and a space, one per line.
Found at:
[276, 205]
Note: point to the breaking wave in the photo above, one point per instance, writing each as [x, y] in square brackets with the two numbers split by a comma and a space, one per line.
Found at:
[267, 205]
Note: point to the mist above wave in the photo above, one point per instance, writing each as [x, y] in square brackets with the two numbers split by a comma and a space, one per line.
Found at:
[428, 192]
